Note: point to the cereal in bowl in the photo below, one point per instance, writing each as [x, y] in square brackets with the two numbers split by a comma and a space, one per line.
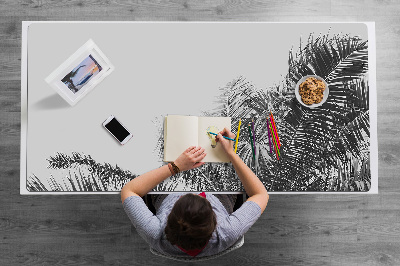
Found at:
[312, 90]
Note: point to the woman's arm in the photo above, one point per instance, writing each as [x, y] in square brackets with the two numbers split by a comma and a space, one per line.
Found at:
[252, 184]
[141, 185]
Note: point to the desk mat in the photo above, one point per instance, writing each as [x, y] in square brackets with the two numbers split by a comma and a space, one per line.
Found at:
[329, 149]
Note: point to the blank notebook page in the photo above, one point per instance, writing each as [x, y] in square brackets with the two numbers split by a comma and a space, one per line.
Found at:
[180, 132]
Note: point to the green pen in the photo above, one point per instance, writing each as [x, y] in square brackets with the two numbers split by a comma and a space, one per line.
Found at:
[251, 142]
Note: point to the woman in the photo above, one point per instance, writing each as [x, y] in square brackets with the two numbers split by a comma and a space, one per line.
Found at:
[187, 224]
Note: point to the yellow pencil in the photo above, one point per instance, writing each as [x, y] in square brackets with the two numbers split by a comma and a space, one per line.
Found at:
[237, 136]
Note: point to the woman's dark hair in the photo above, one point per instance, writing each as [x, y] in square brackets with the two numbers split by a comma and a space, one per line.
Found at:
[191, 222]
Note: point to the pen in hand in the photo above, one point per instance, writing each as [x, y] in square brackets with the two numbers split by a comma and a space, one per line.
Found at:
[222, 136]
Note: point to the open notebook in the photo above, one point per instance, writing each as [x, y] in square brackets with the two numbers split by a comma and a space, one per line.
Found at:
[181, 132]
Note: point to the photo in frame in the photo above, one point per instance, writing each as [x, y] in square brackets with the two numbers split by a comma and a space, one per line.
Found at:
[80, 73]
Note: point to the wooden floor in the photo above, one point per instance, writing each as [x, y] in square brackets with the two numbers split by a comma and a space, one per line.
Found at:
[294, 230]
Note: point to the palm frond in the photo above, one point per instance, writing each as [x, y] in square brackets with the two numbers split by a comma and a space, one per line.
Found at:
[308, 136]
[34, 184]
[335, 59]
[80, 172]
[319, 137]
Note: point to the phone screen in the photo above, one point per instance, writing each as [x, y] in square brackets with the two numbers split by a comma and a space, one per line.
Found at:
[117, 129]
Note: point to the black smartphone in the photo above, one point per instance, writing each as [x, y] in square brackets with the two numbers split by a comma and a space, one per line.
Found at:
[117, 130]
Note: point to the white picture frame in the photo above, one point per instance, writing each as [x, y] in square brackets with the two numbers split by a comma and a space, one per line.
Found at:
[80, 73]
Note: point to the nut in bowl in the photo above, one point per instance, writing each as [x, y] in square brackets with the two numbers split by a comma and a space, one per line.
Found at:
[312, 91]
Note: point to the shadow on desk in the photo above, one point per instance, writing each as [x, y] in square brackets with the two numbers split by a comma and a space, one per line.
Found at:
[51, 102]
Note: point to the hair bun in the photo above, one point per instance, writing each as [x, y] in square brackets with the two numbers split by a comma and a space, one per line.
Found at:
[183, 225]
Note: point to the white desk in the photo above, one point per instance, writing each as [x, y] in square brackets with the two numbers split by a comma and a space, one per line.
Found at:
[160, 69]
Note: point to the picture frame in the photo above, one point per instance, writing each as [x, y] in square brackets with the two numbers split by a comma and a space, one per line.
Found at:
[80, 73]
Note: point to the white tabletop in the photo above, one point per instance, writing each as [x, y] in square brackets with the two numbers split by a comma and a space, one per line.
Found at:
[160, 69]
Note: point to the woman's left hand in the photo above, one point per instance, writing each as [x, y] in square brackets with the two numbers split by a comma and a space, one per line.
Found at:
[190, 158]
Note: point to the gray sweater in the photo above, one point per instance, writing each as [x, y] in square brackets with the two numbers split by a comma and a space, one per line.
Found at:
[229, 227]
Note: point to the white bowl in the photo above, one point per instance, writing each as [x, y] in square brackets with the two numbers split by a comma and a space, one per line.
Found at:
[326, 92]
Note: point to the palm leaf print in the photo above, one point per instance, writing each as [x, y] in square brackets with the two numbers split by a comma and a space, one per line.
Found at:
[322, 149]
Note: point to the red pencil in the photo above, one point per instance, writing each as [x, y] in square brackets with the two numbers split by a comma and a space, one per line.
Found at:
[276, 132]
[274, 142]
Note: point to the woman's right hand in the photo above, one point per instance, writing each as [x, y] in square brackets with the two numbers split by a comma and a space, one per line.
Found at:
[226, 144]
